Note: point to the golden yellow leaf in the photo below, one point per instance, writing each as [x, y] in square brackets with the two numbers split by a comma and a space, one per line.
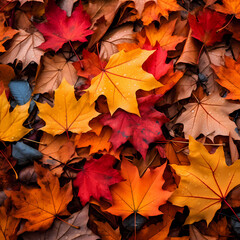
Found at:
[68, 114]
[11, 123]
[120, 80]
[205, 183]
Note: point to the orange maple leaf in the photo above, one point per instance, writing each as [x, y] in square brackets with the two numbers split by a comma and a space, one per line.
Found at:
[229, 7]
[6, 33]
[40, 206]
[138, 195]
[229, 77]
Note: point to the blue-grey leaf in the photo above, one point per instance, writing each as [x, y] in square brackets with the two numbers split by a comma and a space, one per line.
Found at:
[24, 153]
[21, 91]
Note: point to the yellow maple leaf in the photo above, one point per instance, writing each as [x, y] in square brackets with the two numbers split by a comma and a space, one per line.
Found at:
[11, 123]
[120, 80]
[205, 183]
[68, 114]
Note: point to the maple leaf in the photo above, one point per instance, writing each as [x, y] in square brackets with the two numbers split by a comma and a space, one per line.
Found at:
[61, 230]
[121, 78]
[229, 7]
[67, 114]
[213, 111]
[138, 195]
[161, 8]
[229, 77]
[54, 70]
[11, 123]
[8, 223]
[156, 63]
[6, 75]
[206, 25]
[6, 33]
[96, 142]
[24, 48]
[40, 206]
[140, 131]
[163, 35]
[57, 152]
[96, 177]
[107, 232]
[102, 14]
[202, 187]
[91, 65]
[62, 29]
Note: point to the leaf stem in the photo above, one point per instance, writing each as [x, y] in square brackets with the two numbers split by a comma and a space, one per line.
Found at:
[207, 144]
[220, 29]
[16, 175]
[30, 140]
[80, 61]
[4, 6]
[77, 227]
[231, 209]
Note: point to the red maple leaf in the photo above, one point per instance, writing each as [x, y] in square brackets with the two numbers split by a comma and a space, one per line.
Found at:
[206, 25]
[92, 65]
[140, 131]
[156, 63]
[96, 177]
[60, 28]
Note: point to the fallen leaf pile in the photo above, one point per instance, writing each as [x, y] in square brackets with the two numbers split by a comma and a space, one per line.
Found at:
[119, 119]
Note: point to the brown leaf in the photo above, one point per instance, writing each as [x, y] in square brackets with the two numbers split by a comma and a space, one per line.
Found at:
[107, 232]
[24, 48]
[54, 70]
[61, 230]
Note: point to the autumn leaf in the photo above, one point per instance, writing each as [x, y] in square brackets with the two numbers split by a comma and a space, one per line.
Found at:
[57, 152]
[91, 65]
[24, 48]
[62, 29]
[206, 25]
[202, 187]
[40, 206]
[107, 232]
[96, 177]
[67, 114]
[121, 78]
[164, 35]
[156, 63]
[61, 230]
[229, 7]
[54, 70]
[138, 195]
[8, 223]
[6, 33]
[12, 121]
[140, 131]
[97, 143]
[161, 8]
[211, 110]
[228, 77]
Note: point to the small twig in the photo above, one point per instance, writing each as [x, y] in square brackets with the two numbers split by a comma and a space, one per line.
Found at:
[30, 140]
[207, 144]
[80, 61]
[16, 175]
[220, 29]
